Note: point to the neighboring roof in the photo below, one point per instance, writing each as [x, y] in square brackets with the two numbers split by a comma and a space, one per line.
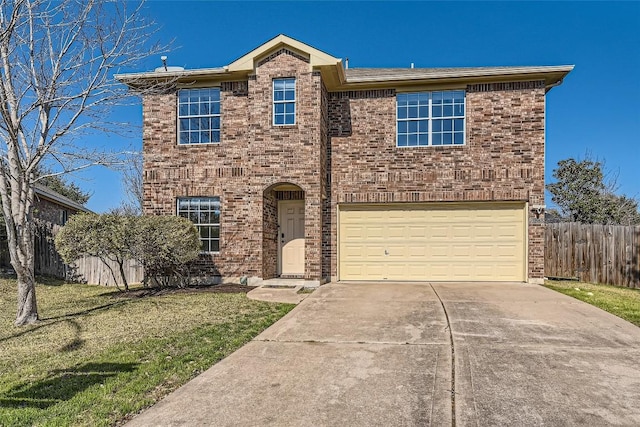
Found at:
[53, 196]
[337, 78]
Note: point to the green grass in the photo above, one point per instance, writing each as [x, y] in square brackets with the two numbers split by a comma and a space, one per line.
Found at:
[96, 360]
[623, 302]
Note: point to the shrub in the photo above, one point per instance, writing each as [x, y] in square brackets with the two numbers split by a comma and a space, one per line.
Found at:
[163, 245]
[108, 237]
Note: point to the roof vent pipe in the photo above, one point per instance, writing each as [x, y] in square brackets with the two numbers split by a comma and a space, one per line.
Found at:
[412, 65]
[167, 69]
[346, 63]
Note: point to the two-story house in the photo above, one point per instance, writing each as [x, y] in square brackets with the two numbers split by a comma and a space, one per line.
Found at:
[292, 165]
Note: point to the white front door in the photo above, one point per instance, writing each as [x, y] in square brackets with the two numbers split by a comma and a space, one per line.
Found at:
[291, 237]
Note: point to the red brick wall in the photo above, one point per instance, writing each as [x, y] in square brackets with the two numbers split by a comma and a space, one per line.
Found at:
[252, 156]
[503, 158]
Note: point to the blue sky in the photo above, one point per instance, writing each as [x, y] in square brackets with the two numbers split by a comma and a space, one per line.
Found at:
[596, 111]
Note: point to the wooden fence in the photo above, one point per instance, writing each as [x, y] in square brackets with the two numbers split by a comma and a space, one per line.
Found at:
[86, 270]
[93, 270]
[594, 253]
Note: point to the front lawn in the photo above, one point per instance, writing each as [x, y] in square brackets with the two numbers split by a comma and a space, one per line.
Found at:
[623, 302]
[98, 357]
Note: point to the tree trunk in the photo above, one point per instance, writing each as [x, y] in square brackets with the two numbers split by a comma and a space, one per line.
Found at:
[18, 218]
[113, 273]
[23, 263]
[123, 275]
[27, 307]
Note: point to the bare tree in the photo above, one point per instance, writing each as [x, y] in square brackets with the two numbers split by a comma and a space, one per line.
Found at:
[57, 59]
[132, 183]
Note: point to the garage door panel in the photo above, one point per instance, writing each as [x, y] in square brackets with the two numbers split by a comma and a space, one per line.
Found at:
[352, 232]
[396, 231]
[373, 252]
[397, 255]
[374, 232]
[365, 271]
[417, 271]
[417, 232]
[506, 271]
[461, 232]
[351, 251]
[439, 251]
[439, 271]
[437, 231]
[474, 241]
[484, 273]
[484, 252]
[461, 251]
[396, 270]
[417, 251]
[507, 252]
[483, 231]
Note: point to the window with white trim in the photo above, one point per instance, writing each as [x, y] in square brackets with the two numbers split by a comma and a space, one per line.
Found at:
[284, 102]
[199, 116]
[430, 118]
[204, 212]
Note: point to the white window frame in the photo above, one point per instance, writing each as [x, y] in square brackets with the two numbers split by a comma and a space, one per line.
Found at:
[198, 116]
[430, 119]
[190, 212]
[284, 102]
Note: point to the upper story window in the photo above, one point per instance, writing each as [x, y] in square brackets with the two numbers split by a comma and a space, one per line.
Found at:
[284, 101]
[199, 116]
[204, 212]
[430, 118]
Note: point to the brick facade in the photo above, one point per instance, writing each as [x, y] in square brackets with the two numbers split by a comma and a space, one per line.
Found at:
[51, 212]
[342, 149]
[502, 160]
[245, 169]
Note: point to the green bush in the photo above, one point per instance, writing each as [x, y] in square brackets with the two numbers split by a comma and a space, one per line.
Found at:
[108, 237]
[163, 245]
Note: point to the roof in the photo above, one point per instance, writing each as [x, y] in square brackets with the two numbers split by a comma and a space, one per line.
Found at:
[47, 193]
[552, 75]
[337, 78]
[356, 75]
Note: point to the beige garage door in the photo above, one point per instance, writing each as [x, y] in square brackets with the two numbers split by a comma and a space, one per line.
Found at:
[439, 242]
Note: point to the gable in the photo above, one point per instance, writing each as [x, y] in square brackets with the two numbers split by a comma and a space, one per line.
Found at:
[331, 68]
[313, 56]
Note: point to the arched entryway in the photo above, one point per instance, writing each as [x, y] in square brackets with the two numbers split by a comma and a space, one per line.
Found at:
[283, 231]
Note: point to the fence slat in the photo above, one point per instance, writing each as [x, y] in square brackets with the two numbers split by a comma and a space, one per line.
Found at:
[595, 253]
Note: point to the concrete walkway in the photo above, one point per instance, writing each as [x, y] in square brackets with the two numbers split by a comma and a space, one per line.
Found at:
[408, 354]
[279, 294]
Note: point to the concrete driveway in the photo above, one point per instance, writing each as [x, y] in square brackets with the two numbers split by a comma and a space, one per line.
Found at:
[415, 354]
